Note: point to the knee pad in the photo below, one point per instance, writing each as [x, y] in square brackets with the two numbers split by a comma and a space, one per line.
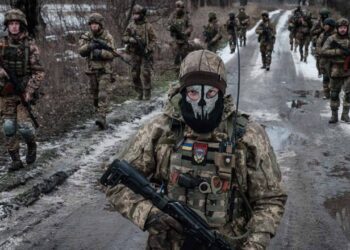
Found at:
[9, 127]
[26, 130]
[334, 96]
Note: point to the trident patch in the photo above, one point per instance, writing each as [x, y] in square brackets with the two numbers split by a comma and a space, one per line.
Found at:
[199, 153]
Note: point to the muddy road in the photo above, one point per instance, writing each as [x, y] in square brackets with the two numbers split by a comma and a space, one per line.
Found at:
[57, 204]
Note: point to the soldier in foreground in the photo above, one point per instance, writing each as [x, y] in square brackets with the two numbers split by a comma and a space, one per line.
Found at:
[244, 21]
[140, 39]
[188, 151]
[329, 28]
[99, 64]
[267, 36]
[180, 28]
[21, 75]
[337, 50]
[232, 27]
[212, 33]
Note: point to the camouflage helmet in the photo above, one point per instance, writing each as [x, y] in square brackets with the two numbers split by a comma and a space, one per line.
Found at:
[342, 22]
[96, 18]
[15, 15]
[330, 21]
[212, 15]
[265, 13]
[138, 9]
[232, 15]
[241, 9]
[324, 12]
[204, 67]
[180, 4]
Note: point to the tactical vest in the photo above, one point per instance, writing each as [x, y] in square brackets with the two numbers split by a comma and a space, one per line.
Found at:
[210, 32]
[200, 176]
[15, 59]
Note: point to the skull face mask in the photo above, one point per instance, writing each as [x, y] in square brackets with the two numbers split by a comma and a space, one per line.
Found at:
[202, 107]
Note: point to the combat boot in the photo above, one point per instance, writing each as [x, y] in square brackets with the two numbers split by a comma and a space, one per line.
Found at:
[305, 59]
[101, 122]
[147, 94]
[268, 68]
[326, 95]
[16, 161]
[301, 58]
[232, 50]
[31, 152]
[264, 66]
[345, 115]
[291, 47]
[139, 94]
[334, 118]
[244, 42]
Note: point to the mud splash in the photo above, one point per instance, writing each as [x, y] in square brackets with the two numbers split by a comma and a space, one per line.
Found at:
[339, 209]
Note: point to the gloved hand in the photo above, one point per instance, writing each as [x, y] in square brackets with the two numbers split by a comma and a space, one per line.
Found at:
[93, 45]
[96, 54]
[161, 228]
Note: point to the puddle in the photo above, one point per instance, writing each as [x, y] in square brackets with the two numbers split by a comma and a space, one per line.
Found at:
[339, 209]
[296, 104]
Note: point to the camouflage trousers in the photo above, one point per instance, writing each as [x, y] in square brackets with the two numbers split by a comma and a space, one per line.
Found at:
[292, 40]
[141, 65]
[15, 122]
[232, 40]
[180, 51]
[303, 42]
[99, 83]
[325, 71]
[266, 53]
[242, 35]
[336, 85]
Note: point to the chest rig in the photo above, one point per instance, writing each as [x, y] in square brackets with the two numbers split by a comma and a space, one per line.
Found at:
[200, 176]
[15, 60]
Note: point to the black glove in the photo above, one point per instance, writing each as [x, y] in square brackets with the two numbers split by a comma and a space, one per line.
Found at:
[96, 54]
[93, 45]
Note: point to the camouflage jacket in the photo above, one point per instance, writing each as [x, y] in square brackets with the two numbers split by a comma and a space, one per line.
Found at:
[266, 31]
[232, 26]
[324, 62]
[212, 32]
[104, 62]
[180, 27]
[317, 29]
[303, 28]
[259, 174]
[336, 56]
[243, 19]
[144, 35]
[27, 65]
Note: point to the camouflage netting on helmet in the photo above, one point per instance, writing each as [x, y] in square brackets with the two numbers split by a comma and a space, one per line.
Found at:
[15, 15]
[203, 67]
[342, 22]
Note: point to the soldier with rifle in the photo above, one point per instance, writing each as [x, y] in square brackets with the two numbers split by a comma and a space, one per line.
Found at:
[266, 32]
[99, 64]
[244, 21]
[337, 50]
[21, 75]
[212, 32]
[215, 178]
[140, 39]
[180, 28]
[232, 27]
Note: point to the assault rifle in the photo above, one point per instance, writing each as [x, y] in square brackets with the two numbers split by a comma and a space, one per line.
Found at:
[195, 228]
[207, 35]
[177, 33]
[103, 45]
[346, 51]
[143, 49]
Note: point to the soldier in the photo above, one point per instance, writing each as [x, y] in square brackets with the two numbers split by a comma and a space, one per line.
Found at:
[297, 13]
[212, 33]
[180, 28]
[19, 61]
[99, 63]
[316, 31]
[140, 39]
[186, 141]
[337, 51]
[303, 36]
[244, 21]
[329, 27]
[232, 26]
[267, 35]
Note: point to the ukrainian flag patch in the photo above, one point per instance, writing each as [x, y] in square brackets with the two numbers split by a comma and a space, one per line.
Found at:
[187, 146]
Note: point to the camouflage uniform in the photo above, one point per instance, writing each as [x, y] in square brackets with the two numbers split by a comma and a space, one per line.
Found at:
[99, 66]
[180, 28]
[232, 26]
[166, 148]
[324, 63]
[18, 54]
[244, 21]
[317, 30]
[212, 33]
[292, 27]
[303, 35]
[339, 72]
[141, 41]
[267, 35]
